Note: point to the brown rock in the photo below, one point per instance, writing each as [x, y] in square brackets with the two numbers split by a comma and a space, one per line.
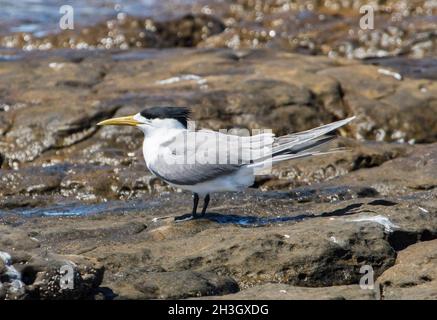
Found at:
[414, 274]
[44, 277]
[275, 291]
[71, 190]
[184, 284]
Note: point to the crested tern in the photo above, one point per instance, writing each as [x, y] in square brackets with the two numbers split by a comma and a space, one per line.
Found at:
[206, 161]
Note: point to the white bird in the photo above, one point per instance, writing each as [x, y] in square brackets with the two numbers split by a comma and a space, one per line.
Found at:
[208, 161]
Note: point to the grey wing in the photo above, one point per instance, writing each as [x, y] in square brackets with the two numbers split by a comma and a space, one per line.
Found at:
[184, 162]
[235, 149]
[218, 147]
[191, 174]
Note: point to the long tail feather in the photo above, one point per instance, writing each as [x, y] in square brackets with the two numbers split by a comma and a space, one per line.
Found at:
[301, 144]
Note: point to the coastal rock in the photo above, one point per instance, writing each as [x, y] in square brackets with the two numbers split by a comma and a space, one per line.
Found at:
[417, 170]
[255, 239]
[333, 28]
[259, 89]
[184, 284]
[126, 32]
[48, 276]
[72, 191]
[14, 239]
[414, 274]
[275, 291]
[319, 235]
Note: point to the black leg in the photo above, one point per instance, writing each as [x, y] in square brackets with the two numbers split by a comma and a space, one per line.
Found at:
[205, 205]
[195, 203]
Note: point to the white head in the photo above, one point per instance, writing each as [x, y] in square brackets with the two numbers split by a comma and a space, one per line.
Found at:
[154, 118]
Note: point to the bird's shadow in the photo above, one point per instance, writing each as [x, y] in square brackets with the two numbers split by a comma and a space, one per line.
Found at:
[254, 221]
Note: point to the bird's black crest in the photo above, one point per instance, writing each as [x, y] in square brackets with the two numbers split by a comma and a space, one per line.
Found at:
[180, 114]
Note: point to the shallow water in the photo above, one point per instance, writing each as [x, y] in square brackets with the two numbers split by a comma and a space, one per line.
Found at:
[41, 17]
[81, 209]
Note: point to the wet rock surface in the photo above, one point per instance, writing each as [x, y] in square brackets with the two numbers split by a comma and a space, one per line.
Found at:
[126, 32]
[414, 274]
[51, 112]
[275, 291]
[75, 194]
[333, 28]
[41, 275]
[183, 284]
[245, 242]
[354, 29]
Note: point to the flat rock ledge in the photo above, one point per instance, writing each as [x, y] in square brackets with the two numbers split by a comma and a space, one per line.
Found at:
[76, 200]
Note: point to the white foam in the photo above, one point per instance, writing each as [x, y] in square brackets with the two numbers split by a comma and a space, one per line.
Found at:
[337, 241]
[423, 210]
[185, 77]
[382, 220]
[6, 257]
[11, 272]
[390, 73]
[17, 286]
[56, 65]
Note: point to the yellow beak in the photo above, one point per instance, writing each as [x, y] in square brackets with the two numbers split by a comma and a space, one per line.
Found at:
[121, 121]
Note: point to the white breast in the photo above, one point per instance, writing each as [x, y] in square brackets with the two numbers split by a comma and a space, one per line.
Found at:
[153, 144]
